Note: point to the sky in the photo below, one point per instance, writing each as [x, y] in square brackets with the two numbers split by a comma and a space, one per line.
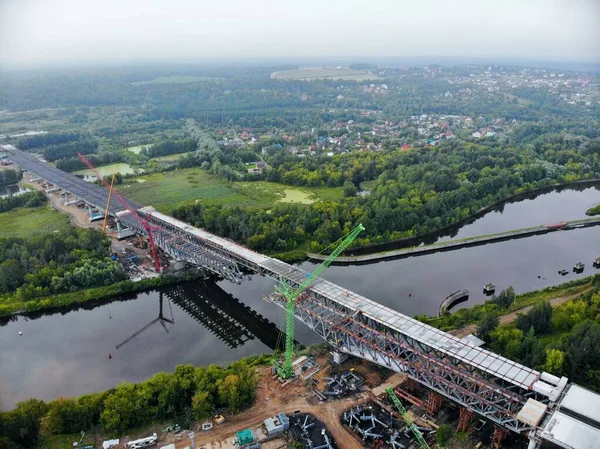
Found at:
[42, 32]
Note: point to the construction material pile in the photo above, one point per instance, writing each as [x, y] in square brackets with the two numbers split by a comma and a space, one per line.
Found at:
[378, 427]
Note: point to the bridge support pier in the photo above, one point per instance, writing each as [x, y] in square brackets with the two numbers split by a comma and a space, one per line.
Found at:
[434, 402]
[123, 232]
[500, 433]
[464, 419]
[534, 442]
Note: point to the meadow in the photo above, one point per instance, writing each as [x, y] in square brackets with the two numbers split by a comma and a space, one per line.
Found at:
[167, 190]
[26, 222]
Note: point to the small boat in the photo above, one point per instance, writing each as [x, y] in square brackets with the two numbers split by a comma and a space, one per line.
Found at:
[597, 263]
[563, 272]
[579, 266]
[489, 289]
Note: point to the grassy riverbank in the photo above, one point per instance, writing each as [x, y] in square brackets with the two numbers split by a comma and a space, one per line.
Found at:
[466, 316]
[593, 210]
[10, 307]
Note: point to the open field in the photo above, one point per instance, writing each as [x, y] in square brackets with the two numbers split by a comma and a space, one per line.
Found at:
[166, 190]
[170, 157]
[179, 79]
[324, 73]
[25, 222]
[137, 149]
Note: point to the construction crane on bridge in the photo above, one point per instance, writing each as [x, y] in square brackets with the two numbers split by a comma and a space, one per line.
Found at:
[144, 223]
[284, 370]
[107, 209]
[407, 419]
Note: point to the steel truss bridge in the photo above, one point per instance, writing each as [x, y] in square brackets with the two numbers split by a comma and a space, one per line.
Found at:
[513, 396]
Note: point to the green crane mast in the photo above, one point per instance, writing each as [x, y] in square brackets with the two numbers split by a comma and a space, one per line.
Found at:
[407, 419]
[285, 371]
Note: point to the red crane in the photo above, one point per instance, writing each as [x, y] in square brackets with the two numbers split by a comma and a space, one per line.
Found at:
[144, 223]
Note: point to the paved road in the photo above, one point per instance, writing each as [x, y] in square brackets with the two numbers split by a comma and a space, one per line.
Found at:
[92, 193]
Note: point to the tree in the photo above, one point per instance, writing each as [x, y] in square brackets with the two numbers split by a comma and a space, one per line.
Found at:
[555, 361]
[124, 409]
[201, 405]
[539, 318]
[486, 325]
[229, 392]
[22, 425]
[443, 435]
[349, 189]
[505, 299]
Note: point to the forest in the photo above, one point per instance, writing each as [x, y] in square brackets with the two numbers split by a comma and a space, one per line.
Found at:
[411, 193]
[185, 395]
[563, 340]
[47, 264]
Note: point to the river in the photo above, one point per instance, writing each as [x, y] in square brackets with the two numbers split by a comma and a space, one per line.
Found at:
[12, 190]
[66, 353]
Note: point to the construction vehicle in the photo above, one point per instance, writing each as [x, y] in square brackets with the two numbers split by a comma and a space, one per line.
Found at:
[407, 419]
[219, 419]
[144, 223]
[284, 370]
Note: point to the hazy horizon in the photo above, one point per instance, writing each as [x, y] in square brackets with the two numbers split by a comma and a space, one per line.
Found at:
[38, 33]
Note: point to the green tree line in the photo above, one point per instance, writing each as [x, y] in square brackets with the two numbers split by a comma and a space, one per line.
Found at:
[189, 393]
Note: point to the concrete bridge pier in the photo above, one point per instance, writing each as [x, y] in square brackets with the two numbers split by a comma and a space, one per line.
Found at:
[123, 232]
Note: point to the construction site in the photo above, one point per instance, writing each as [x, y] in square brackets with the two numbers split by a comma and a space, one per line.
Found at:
[385, 381]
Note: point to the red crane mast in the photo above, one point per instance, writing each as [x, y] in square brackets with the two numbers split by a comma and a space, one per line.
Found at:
[144, 223]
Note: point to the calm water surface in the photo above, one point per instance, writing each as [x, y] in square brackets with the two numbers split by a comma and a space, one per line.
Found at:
[67, 354]
[12, 190]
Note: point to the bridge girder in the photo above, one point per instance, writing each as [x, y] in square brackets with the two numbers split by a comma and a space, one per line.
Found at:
[358, 335]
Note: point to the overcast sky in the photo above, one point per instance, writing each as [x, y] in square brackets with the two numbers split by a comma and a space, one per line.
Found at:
[37, 32]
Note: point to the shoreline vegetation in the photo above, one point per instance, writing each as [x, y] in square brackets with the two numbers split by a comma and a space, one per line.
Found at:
[190, 393]
[595, 210]
[417, 240]
[66, 300]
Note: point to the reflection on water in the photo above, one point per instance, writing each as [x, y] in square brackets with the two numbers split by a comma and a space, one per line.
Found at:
[66, 353]
[12, 190]
[532, 209]
[95, 346]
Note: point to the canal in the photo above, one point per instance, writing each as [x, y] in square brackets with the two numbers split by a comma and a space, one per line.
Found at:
[66, 353]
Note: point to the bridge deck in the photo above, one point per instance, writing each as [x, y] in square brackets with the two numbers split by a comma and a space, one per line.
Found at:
[482, 359]
[90, 193]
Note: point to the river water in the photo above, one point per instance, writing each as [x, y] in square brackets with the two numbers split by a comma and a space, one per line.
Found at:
[201, 322]
[12, 190]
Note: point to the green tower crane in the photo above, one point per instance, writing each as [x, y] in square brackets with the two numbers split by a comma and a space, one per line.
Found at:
[407, 419]
[290, 294]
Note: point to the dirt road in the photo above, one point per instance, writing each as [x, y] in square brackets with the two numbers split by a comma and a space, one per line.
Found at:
[511, 317]
[272, 399]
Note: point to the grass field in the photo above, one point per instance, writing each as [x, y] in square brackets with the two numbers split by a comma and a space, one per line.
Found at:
[324, 73]
[25, 222]
[167, 190]
[170, 157]
[137, 149]
[177, 79]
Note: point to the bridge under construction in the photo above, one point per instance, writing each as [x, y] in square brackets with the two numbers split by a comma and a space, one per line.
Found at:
[513, 396]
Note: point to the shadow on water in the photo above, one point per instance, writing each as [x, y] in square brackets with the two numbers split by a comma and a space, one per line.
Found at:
[224, 315]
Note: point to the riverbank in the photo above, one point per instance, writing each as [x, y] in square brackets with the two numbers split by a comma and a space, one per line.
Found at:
[66, 300]
[430, 237]
[469, 316]
[457, 244]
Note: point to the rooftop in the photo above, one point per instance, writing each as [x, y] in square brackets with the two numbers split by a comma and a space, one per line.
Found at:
[583, 402]
[569, 433]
